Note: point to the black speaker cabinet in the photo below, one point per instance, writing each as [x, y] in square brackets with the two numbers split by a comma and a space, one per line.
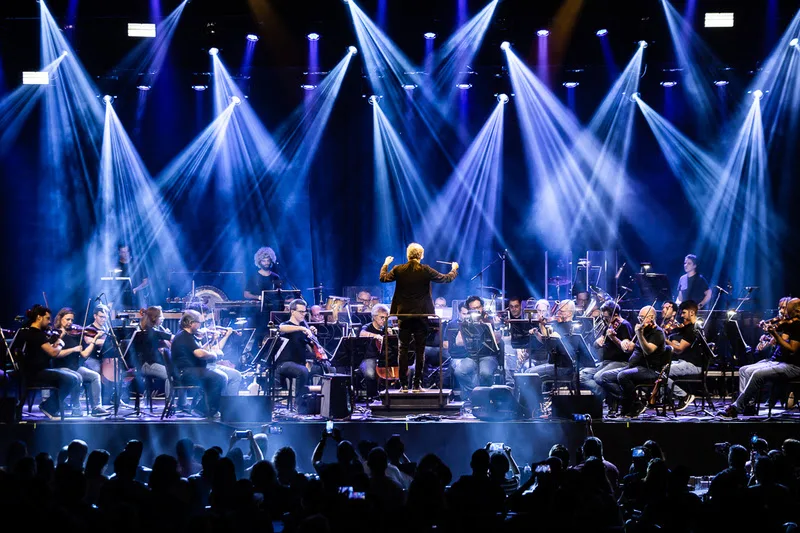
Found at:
[566, 405]
[336, 392]
[494, 403]
[245, 409]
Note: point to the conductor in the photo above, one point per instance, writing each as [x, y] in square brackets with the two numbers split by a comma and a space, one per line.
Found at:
[412, 296]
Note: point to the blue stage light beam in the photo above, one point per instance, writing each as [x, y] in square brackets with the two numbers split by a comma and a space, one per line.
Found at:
[129, 210]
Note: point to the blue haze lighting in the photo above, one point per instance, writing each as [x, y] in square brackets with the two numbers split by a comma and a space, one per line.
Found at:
[313, 36]
[601, 33]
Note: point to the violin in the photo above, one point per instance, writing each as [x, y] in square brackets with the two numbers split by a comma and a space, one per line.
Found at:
[92, 331]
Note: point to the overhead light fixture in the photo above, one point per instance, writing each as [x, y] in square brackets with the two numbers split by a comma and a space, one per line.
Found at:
[669, 83]
[758, 94]
[313, 36]
[409, 86]
[570, 84]
[601, 33]
[143, 87]
[721, 83]
[502, 98]
[505, 45]
[643, 44]
[107, 99]
[635, 97]
[794, 42]
[352, 49]
[199, 88]
[235, 100]
[36, 78]
[719, 20]
[141, 30]
[463, 86]
[308, 87]
[374, 99]
[252, 37]
[213, 51]
[429, 35]
[543, 33]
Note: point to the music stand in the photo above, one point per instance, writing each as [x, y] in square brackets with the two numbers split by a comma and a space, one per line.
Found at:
[116, 286]
[350, 352]
[519, 329]
[654, 286]
[276, 295]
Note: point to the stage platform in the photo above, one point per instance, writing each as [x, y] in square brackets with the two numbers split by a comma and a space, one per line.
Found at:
[687, 439]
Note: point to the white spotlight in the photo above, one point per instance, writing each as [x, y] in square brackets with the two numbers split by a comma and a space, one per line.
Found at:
[429, 35]
[635, 97]
[143, 87]
[719, 20]
[252, 37]
[199, 88]
[64, 53]
[794, 42]
[308, 87]
[409, 86]
[758, 94]
[352, 49]
[313, 36]
[505, 45]
[35, 78]
[141, 30]
[502, 98]
[570, 84]
[107, 99]
[374, 99]
[721, 83]
[669, 83]
[643, 44]
[601, 33]
[543, 33]
[213, 51]
[463, 86]
[235, 100]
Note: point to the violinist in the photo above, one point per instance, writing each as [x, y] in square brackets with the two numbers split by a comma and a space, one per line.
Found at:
[766, 343]
[95, 336]
[688, 357]
[40, 346]
[291, 362]
[191, 360]
[554, 328]
[475, 334]
[72, 358]
[784, 364]
[668, 316]
[374, 330]
[537, 352]
[644, 366]
[149, 342]
[610, 345]
[215, 338]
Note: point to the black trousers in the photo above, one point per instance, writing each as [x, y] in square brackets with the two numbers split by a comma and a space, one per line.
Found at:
[418, 329]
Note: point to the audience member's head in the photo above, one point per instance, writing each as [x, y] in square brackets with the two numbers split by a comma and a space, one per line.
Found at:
[765, 471]
[346, 453]
[791, 449]
[593, 447]
[377, 461]
[480, 462]
[96, 463]
[165, 473]
[16, 450]
[498, 465]
[593, 475]
[45, 467]
[738, 456]
[236, 455]
[560, 451]
[262, 441]
[285, 460]
[653, 450]
[395, 448]
[136, 447]
[366, 446]
[125, 466]
[209, 460]
[184, 451]
[76, 454]
[63, 454]
[263, 476]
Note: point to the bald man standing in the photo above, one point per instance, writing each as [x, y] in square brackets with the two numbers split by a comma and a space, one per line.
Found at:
[648, 357]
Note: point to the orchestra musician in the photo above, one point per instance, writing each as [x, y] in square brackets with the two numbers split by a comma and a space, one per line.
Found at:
[72, 357]
[644, 366]
[687, 359]
[668, 316]
[150, 342]
[374, 330]
[292, 361]
[692, 285]
[263, 279]
[554, 329]
[96, 337]
[440, 303]
[480, 341]
[537, 353]
[782, 366]
[366, 300]
[315, 315]
[610, 345]
[125, 269]
[39, 347]
[766, 343]
[412, 296]
[511, 346]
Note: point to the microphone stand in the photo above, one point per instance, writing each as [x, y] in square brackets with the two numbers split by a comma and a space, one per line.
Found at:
[117, 357]
[480, 274]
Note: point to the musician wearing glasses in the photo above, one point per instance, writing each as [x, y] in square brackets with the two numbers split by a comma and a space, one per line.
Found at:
[476, 334]
[375, 331]
[291, 363]
[610, 345]
[562, 326]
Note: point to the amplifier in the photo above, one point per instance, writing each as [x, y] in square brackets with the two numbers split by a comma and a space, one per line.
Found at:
[336, 393]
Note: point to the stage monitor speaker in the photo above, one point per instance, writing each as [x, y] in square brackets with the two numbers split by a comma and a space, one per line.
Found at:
[245, 409]
[494, 403]
[566, 405]
[336, 396]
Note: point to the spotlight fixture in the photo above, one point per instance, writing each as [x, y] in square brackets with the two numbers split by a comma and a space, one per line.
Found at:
[352, 49]
[65, 53]
[313, 36]
[543, 33]
[429, 35]
[308, 87]
[643, 44]
[409, 86]
[731, 313]
[721, 83]
[758, 94]
[252, 37]
[463, 86]
[141, 30]
[601, 33]
[719, 20]
[502, 98]
[669, 83]
[374, 99]
[213, 51]
[794, 42]
[36, 78]
[635, 97]
[505, 45]
[235, 100]
[570, 84]
[143, 87]
[107, 99]
[199, 88]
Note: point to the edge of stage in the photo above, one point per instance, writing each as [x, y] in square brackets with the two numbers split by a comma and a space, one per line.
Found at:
[687, 440]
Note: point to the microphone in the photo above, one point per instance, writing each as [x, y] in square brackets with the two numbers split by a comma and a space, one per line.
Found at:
[624, 288]
[619, 272]
[99, 296]
[445, 262]
[721, 289]
[750, 288]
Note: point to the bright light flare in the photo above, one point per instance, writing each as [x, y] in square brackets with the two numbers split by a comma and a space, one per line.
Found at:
[374, 99]
[601, 33]
[505, 45]
[35, 78]
[308, 87]
[543, 33]
[463, 86]
[758, 94]
[252, 37]
[313, 36]
[213, 51]
[719, 20]
[502, 98]
[108, 99]
[235, 100]
[429, 36]
[794, 42]
[721, 83]
[147, 30]
[352, 50]
[643, 44]
[571, 84]
[669, 84]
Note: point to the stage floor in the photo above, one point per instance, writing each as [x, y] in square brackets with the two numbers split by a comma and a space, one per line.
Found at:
[687, 439]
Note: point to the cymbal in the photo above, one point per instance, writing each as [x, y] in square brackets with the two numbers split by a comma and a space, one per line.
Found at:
[558, 281]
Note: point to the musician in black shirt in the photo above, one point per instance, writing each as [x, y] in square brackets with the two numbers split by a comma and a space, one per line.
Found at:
[784, 364]
[291, 362]
[130, 291]
[150, 342]
[693, 286]
[264, 279]
[610, 345]
[645, 364]
[38, 351]
[687, 359]
[374, 330]
[481, 343]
